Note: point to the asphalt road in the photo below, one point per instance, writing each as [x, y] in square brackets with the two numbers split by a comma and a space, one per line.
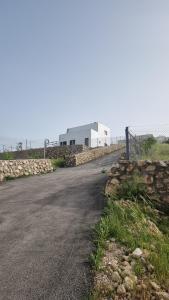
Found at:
[45, 232]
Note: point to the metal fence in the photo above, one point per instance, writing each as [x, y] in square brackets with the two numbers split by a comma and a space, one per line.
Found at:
[137, 139]
[10, 145]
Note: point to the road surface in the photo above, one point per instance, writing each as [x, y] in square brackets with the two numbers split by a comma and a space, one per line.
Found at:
[45, 232]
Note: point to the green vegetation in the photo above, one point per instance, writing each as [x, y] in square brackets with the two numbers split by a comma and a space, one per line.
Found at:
[139, 268]
[7, 156]
[147, 144]
[35, 155]
[58, 163]
[157, 152]
[133, 189]
[134, 224]
[7, 178]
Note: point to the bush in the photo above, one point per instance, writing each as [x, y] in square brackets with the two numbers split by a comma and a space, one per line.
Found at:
[58, 163]
[147, 144]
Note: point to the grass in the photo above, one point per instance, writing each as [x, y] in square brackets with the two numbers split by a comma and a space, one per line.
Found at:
[7, 156]
[158, 152]
[58, 163]
[35, 155]
[134, 188]
[7, 178]
[128, 222]
[139, 268]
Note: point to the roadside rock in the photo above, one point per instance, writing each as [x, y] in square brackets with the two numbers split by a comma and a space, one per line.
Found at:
[116, 277]
[163, 295]
[137, 252]
[129, 284]
[121, 289]
[154, 285]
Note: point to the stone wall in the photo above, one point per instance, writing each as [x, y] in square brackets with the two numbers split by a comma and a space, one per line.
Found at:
[18, 168]
[84, 157]
[155, 175]
[51, 152]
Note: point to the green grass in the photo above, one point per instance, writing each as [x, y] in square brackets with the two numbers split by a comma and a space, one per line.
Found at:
[126, 222]
[133, 188]
[58, 163]
[35, 155]
[158, 152]
[139, 268]
[7, 156]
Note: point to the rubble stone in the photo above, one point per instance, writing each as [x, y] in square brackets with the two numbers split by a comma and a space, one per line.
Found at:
[18, 168]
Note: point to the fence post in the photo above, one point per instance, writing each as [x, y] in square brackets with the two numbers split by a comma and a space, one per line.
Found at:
[127, 143]
[46, 142]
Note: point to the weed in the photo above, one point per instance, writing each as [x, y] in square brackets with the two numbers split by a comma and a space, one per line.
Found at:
[133, 189]
[127, 222]
[139, 268]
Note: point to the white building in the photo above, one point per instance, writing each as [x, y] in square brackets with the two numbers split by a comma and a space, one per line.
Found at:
[91, 135]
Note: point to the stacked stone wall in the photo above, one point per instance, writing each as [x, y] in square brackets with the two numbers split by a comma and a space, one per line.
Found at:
[86, 156]
[51, 152]
[154, 173]
[17, 168]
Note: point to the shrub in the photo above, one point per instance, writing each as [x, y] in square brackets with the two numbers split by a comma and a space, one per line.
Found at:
[58, 163]
[147, 144]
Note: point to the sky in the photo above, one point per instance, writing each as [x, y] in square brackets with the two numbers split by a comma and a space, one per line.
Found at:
[65, 63]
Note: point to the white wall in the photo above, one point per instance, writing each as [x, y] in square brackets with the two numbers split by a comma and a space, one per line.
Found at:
[94, 131]
[78, 136]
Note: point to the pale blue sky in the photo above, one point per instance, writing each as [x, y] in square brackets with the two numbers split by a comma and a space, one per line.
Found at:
[68, 62]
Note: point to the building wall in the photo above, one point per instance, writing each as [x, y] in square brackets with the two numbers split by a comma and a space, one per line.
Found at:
[93, 126]
[95, 132]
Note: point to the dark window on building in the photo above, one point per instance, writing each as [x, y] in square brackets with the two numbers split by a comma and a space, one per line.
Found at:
[63, 143]
[105, 132]
[72, 142]
[87, 142]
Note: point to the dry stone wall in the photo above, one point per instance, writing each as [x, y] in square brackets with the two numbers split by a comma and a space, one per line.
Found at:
[155, 174]
[18, 168]
[51, 152]
[88, 155]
